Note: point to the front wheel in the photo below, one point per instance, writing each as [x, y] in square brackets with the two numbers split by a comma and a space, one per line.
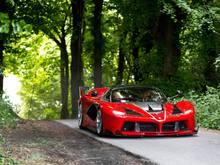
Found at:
[80, 116]
[99, 123]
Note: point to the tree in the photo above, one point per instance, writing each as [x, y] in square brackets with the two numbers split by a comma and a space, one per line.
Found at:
[121, 60]
[35, 60]
[168, 39]
[6, 15]
[98, 43]
[1, 67]
[52, 18]
[210, 32]
[198, 46]
[157, 42]
[76, 52]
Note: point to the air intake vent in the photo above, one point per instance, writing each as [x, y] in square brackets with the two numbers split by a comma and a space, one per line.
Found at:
[130, 112]
[140, 127]
[175, 126]
[176, 111]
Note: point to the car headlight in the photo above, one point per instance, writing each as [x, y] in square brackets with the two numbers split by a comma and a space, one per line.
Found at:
[188, 111]
[118, 113]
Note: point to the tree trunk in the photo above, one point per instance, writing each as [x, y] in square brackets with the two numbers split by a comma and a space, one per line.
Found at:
[211, 75]
[98, 43]
[1, 67]
[64, 76]
[121, 60]
[169, 44]
[136, 68]
[76, 53]
[168, 68]
[135, 53]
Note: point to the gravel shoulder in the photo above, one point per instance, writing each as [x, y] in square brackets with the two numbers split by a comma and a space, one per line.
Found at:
[49, 142]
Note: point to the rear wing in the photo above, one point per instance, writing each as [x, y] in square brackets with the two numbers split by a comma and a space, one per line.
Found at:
[83, 90]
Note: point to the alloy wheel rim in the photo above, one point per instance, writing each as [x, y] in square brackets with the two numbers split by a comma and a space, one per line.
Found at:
[80, 115]
[98, 122]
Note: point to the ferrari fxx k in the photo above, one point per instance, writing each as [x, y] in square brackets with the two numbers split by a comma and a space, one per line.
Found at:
[134, 111]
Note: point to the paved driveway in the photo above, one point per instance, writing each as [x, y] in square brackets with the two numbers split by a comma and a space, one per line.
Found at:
[202, 149]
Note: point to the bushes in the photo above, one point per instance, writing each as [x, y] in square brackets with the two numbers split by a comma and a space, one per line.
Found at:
[207, 107]
[7, 117]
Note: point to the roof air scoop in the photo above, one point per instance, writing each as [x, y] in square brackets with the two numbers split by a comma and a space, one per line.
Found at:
[155, 107]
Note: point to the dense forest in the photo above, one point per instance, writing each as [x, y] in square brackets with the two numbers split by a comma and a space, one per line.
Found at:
[56, 46]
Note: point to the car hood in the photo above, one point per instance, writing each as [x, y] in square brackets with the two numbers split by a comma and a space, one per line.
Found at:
[148, 109]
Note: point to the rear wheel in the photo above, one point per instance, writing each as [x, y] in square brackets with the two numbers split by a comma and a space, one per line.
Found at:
[80, 116]
[99, 123]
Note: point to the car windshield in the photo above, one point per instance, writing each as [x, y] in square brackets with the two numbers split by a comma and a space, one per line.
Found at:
[137, 94]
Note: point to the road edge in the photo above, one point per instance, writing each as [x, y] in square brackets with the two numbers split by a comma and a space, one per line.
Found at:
[89, 133]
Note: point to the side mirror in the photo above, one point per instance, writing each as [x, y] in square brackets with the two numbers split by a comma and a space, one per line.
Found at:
[94, 94]
[179, 93]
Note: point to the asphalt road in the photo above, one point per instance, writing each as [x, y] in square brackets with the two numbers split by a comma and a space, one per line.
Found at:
[202, 149]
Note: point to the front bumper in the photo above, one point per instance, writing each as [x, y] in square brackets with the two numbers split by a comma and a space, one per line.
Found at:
[149, 127]
[175, 128]
[149, 134]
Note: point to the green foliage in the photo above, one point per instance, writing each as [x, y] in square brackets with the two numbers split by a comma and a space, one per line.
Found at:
[198, 46]
[51, 17]
[35, 60]
[207, 107]
[8, 118]
[4, 28]
[9, 24]
[7, 160]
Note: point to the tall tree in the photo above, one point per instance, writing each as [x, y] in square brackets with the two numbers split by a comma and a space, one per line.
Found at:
[138, 19]
[168, 39]
[6, 15]
[52, 18]
[209, 43]
[1, 66]
[201, 40]
[98, 43]
[76, 52]
[121, 60]
[138, 77]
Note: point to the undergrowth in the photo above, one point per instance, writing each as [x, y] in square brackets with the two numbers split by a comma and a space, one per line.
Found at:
[7, 119]
[207, 107]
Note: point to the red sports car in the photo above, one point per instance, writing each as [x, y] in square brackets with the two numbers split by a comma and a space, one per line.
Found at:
[134, 111]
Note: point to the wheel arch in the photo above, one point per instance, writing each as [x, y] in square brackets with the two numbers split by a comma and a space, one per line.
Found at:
[92, 111]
